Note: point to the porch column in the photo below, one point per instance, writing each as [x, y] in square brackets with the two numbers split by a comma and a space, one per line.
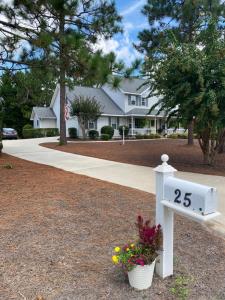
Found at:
[132, 125]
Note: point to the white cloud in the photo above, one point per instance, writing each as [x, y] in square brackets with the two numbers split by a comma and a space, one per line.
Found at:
[133, 7]
[123, 48]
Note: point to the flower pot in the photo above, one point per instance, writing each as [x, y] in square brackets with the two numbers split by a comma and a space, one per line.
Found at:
[141, 276]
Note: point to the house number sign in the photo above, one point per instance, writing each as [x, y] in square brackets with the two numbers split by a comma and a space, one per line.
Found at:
[173, 195]
[198, 198]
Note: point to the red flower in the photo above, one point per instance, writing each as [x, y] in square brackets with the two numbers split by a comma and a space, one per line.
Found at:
[140, 262]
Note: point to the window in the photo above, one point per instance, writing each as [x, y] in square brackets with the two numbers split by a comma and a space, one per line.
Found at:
[143, 102]
[140, 123]
[133, 100]
[115, 122]
[152, 123]
[37, 123]
[91, 125]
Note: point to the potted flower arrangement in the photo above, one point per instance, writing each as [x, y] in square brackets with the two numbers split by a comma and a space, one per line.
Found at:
[138, 258]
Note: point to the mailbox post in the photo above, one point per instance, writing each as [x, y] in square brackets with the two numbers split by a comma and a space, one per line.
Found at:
[164, 217]
[195, 201]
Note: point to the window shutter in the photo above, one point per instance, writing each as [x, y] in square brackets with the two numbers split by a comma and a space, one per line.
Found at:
[137, 100]
[109, 121]
[118, 122]
[129, 99]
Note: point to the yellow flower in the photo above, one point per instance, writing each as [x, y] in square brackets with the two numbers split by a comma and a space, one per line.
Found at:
[117, 249]
[115, 259]
[132, 245]
[127, 249]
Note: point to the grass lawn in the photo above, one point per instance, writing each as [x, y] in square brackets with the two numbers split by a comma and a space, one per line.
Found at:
[147, 153]
[58, 230]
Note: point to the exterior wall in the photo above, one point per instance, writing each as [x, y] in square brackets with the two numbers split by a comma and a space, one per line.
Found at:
[56, 109]
[47, 123]
[72, 122]
[116, 95]
[36, 122]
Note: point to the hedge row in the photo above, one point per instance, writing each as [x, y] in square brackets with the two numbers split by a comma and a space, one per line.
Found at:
[39, 132]
[148, 136]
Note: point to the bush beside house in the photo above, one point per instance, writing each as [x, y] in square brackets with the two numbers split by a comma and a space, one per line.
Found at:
[72, 132]
[126, 130]
[107, 130]
[93, 134]
[29, 133]
[105, 137]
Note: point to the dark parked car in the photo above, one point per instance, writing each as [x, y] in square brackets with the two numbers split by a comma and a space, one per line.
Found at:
[9, 133]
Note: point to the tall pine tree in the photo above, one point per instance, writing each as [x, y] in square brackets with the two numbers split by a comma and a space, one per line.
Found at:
[61, 33]
[184, 20]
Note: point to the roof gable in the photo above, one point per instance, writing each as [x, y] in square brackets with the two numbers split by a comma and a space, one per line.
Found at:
[108, 106]
[43, 113]
[133, 86]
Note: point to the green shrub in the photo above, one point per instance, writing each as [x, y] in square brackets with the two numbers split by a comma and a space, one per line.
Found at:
[182, 136]
[105, 137]
[1, 146]
[173, 136]
[93, 134]
[39, 132]
[27, 126]
[154, 136]
[139, 136]
[72, 132]
[107, 130]
[52, 131]
[126, 130]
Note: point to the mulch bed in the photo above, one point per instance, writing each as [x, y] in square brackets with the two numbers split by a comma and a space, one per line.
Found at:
[147, 153]
[57, 231]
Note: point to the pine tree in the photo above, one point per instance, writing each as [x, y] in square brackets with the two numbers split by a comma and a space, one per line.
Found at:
[60, 33]
[182, 20]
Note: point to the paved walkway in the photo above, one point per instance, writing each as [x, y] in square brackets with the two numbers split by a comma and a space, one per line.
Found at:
[138, 177]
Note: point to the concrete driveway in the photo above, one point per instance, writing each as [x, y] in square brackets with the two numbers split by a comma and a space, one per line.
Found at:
[138, 177]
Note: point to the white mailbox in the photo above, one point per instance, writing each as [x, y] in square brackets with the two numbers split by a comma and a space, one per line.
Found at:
[198, 198]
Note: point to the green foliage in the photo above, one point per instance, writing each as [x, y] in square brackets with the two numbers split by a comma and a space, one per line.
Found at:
[7, 166]
[27, 126]
[191, 84]
[105, 137]
[40, 132]
[72, 132]
[21, 91]
[86, 109]
[139, 136]
[65, 44]
[107, 130]
[93, 134]
[144, 251]
[1, 146]
[126, 130]
[147, 136]
[152, 136]
[177, 136]
[180, 288]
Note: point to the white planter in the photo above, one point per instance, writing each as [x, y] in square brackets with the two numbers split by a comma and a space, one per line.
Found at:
[141, 276]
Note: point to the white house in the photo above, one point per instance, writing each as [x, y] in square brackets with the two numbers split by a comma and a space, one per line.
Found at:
[127, 105]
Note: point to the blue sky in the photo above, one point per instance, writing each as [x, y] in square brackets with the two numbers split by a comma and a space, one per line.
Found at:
[133, 22]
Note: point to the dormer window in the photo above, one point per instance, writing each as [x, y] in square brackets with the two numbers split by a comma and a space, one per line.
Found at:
[132, 100]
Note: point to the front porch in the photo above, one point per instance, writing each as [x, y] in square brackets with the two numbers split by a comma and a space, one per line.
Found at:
[146, 125]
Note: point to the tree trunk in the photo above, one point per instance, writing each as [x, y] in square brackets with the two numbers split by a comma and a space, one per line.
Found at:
[191, 133]
[62, 83]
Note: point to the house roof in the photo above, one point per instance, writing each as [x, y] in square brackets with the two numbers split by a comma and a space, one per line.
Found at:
[144, 112]
[133, 85]
[43, 113]
[107, 104]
